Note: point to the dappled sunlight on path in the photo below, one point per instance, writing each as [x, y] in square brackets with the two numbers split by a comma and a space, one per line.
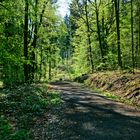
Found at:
[91, 116]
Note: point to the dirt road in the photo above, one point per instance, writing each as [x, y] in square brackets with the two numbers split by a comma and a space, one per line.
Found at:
[91, 116]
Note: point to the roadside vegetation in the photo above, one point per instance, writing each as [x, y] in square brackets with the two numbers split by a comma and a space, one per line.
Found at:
[98, 42]
[120, 86]
[21, 107]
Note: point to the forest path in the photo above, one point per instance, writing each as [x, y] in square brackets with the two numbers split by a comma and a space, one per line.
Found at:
[91, 116]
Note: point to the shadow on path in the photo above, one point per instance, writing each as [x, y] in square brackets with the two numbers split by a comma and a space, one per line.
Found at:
[91, 116]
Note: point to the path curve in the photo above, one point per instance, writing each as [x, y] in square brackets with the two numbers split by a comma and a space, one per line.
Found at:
[91, 116]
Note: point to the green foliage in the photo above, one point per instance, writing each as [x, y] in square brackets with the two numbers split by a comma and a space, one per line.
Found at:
[7, 133]
[40, 53]
[5, 129]
[11, 42]
[108, 59]
[53, 42]
[21, 106]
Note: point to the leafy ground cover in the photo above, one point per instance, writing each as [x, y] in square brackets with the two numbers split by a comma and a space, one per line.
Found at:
[21, 107]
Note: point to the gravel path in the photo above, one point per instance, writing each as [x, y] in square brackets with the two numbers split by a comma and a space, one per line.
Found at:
[91, 116]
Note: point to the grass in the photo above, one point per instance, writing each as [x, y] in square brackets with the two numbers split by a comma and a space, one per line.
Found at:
[110, 95]
[20, 108]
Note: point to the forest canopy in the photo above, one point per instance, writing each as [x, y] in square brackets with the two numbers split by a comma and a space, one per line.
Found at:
[37, 44]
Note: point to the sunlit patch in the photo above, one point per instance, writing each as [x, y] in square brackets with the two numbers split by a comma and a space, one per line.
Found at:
[2, 95]
[1, 84]
[82, 109]
[88, 126]
[50, 87]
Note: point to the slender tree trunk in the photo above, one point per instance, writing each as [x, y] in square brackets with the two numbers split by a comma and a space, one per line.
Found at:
[45, 69]
[36, 74]
[67, 51]
[103, 36]
[117, 3]
[89, 39]
[138, 6]
[139, 40]
[42, 12]
[50, 70]
[41, 61]
[26, 72]
[34, 42]
[37, 25]
[98, 31]
[132, 36]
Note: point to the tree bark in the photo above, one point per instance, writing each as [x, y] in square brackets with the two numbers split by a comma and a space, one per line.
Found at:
[117, 3]
[34, 42]
[50, 70]
[138, 6]
[26, 72]
[98, 31]
[132, 36]
[89, 39]
[37, 25]
[41, 61]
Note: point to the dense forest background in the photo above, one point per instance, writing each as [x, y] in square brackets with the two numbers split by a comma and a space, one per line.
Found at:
[43, 56]
[37, 44]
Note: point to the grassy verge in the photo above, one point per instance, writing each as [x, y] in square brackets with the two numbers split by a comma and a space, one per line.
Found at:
[21, 107]
[110, 94]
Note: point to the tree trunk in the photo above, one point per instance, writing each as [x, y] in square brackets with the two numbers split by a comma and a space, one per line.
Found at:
[26, 72]
[34, 42]
[132, 36]
[50, 70]
[139, 39]
[88, 36]
[35, 36]
[104, 45]
[41, 61]
[138, 6]
[118, 32]
[98, 31]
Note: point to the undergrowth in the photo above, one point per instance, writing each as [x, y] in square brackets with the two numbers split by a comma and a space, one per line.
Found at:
[21, 107]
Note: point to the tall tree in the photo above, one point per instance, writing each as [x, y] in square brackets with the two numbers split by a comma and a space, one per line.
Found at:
[34, 40]
[26, 72]
[89, 37]
[98, 29]
[132, 36]
[137, 22]
[117, 14]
